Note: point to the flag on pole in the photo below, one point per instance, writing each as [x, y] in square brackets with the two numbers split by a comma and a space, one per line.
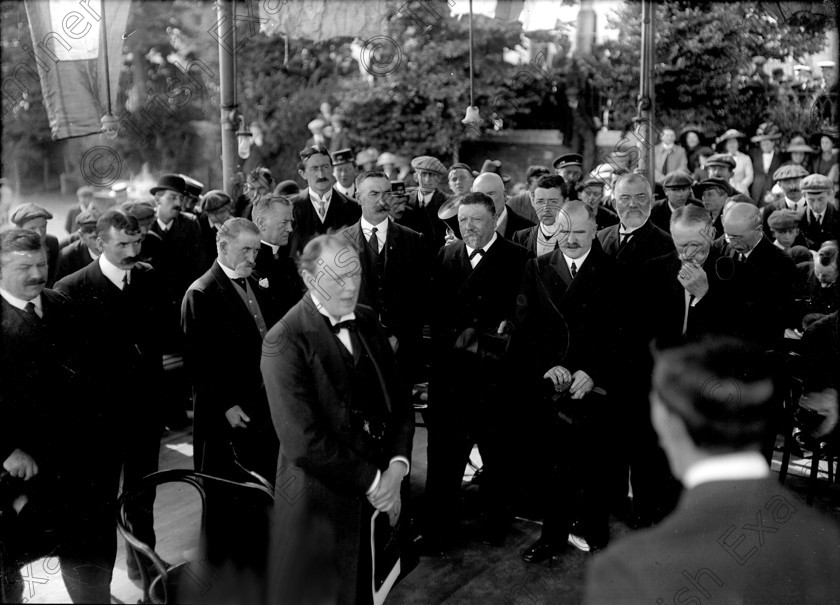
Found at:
[319, 20]
[67, 47]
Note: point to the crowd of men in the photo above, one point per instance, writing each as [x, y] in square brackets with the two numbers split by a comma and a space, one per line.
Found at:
[311, 320]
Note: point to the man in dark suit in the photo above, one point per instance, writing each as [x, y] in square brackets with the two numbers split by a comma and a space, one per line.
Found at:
[547, 199]
[112, 294]
[395, 276]
[737, 536]
[320, 207]
[275, 269]
[215, 208]
[151, 244]
[635, 239]
[180, 259]
[762, 279]
[225, 315]
[508, 222]
[476, 281]
[765, 160]
[677, 186]
[345, 424]
[521, 202]
[591, 192]
[564, 334]
[821, 220]
[715, 193]
[421, 213]
[46, 434]
[34, 217]
[83, 251]
[633, 242]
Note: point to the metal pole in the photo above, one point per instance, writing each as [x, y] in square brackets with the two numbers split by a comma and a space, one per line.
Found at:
[227, 101]
[647, 92]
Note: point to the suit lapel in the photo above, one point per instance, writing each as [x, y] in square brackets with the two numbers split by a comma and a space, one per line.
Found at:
[327, 343]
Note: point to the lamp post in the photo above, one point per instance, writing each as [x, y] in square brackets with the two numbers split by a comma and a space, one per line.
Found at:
[647, 96]
[230, 116]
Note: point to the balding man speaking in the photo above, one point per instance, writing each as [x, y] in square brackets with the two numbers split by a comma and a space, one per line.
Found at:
[762, 278]
[508, 221]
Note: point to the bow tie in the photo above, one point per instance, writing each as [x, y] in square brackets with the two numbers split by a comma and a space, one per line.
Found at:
[349, 324]
[476, 251]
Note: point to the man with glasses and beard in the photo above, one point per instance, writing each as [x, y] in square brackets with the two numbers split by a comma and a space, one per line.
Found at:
[546, 199]
[119, 301]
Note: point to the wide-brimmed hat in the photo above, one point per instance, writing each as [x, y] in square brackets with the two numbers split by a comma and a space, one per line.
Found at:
[801, 147]
[767, 131]
[730, 134]
[342, 156]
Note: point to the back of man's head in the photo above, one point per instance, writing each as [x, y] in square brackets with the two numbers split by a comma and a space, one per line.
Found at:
[721, 389]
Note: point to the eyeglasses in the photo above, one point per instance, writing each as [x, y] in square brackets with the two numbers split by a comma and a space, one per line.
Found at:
[640, 198]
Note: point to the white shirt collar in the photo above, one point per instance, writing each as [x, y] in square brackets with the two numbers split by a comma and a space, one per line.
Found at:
[274, 248]
[726, 467]
[19, 303]
[94, 254]
[477, 258]
[326, 198]
[349, 192]
[819, 216]
[425, 198]
[502, 217]
[381, 230]
[164, 226]
[789, 203]
[577, 261]
[622, 229]
[777, 244]
[112, 272]
[323, 311]
[228, 271]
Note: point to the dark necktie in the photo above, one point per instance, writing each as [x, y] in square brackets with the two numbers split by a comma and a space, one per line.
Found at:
[31, 313]
[240, 281]
[574, 269]
[126, 283]
[625, 237]
[373, 242]
[556, 245]
[477, 251]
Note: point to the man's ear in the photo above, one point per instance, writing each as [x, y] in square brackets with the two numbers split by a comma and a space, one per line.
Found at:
[302, 174]
[99, 244]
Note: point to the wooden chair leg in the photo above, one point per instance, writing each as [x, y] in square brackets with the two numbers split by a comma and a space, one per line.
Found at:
[815, 470]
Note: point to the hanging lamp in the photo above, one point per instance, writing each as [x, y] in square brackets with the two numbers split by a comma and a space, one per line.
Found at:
[472, 117]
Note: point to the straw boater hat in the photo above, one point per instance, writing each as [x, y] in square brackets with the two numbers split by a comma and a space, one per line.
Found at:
[730, 134]
[767, 131]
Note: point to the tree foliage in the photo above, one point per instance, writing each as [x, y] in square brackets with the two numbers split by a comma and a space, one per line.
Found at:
[704, 62]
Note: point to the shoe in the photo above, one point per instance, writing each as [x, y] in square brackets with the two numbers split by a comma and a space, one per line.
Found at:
[540, 551]
[578, 543]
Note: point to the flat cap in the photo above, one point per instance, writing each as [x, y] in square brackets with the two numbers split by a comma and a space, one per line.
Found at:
[398, 188]
[342, 156]
[461, 166]
[782, 220]
[215, 200]
[171, 182]
[27, 212]
[789, 171]
[191, 186]
[677, 179]
[568, 159]
[591, 179]
[712, 182]
[142, 211]
[428, 163]
[386, 158]
[84, 190]
[816, 182]
[87, 218]
[721, 159]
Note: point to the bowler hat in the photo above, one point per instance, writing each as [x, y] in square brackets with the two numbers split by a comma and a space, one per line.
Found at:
[27, 212]
[287, 188]
[171, 182]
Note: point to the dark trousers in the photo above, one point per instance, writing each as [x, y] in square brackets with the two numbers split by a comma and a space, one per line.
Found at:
[68, 520]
